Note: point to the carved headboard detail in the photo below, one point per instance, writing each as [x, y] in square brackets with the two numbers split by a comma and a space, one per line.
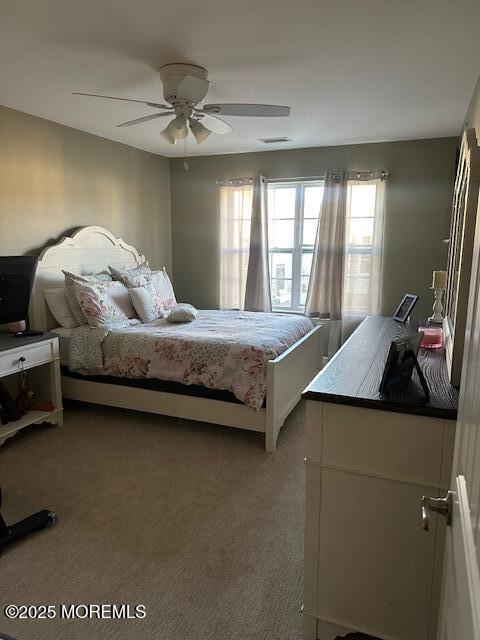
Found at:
[88, 250]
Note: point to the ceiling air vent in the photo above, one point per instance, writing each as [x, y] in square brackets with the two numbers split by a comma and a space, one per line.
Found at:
[274, 140]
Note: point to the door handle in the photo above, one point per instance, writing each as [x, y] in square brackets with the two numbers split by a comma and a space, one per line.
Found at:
[437, 505]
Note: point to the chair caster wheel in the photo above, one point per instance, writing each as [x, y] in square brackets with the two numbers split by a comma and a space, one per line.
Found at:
[51, 518]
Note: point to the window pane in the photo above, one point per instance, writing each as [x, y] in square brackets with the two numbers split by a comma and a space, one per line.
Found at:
[281, 290]
[307, 258]
[281, 234]
[358, 265]
[281, 265]
[357, 295]
[281, 202]
[312, 201]
[304, 289]
[309, 231]
[360, 231]
[362, 200]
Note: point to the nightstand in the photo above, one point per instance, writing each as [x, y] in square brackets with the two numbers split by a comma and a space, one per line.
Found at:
[39, 357]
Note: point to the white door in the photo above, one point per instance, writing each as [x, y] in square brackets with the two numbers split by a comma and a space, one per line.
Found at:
[460, 609]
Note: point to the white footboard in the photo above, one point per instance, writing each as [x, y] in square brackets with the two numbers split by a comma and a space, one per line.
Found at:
[287, 377]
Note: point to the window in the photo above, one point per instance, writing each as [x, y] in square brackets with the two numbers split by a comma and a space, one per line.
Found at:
[293, 213]
[293, 209]
[363, 251]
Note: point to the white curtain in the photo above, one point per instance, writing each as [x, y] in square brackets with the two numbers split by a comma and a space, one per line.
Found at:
[235, 220]
[345, 280]
[325, 287]
[257, 289]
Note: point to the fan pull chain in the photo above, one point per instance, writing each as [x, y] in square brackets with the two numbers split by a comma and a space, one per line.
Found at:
[185, 153]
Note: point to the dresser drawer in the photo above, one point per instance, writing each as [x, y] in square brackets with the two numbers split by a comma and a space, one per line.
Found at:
[35, 354]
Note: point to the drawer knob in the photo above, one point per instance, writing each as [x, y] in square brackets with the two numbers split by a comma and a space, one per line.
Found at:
[22, 358]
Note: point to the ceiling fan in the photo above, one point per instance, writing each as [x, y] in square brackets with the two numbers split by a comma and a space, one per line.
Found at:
[184, 88]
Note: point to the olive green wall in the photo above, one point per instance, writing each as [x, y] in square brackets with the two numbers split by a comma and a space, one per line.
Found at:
[54, 179]
[418, 200]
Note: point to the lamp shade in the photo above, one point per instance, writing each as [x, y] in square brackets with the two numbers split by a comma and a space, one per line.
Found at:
[178, 128]
[200, 132]
[168, 137]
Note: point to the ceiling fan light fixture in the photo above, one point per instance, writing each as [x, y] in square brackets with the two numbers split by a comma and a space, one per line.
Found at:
[177, 128]
[200, 132]
[168, 137]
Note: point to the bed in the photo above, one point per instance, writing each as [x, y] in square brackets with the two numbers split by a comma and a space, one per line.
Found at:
[92, 249]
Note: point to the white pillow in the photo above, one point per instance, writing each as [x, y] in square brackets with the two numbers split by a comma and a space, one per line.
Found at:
[147, 302]
[182, 312]
[58, 305]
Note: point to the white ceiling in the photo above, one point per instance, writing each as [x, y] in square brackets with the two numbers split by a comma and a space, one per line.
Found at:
[351, 70]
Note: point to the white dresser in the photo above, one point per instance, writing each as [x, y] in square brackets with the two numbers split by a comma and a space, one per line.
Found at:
[369, 566]
[39, 357]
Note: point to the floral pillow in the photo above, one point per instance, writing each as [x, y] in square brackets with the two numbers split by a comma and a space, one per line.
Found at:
[134, 277]
[104, 303]
[182, 312]
[147, 302]
[71, 280]
[163, 286]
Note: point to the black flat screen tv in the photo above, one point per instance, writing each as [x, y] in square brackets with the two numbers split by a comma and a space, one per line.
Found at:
[16, 282]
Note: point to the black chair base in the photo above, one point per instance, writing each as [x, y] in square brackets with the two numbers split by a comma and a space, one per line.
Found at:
[35, 522]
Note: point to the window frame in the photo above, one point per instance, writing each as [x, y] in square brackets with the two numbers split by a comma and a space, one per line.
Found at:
[298, 248]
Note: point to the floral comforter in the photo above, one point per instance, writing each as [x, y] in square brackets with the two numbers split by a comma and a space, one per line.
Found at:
[225, 350]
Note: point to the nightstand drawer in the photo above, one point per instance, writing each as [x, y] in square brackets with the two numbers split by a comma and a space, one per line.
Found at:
[33, 355]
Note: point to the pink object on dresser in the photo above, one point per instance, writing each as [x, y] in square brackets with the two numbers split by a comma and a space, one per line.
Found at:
[433, 337]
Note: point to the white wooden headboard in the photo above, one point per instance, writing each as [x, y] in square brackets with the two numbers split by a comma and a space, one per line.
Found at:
[88, 250]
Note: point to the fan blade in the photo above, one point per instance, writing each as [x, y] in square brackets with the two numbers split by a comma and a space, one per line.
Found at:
[254, 110]
[145, 119]
[217, 125]
[96, 95]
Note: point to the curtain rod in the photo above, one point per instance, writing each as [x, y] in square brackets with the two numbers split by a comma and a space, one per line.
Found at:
[352, 175]
[230, 182]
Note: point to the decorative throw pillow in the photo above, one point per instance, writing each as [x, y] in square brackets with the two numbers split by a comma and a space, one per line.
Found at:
[147, 302]
[70, 281]
[104, 302]
[164, 288]
[59, 308]
[182, 312]
[134, 277]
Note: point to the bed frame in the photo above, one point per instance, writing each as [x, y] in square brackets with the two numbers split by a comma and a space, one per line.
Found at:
[92, 249]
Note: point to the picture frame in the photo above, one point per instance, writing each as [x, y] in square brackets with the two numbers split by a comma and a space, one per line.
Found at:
[400, 364]
[405, 307]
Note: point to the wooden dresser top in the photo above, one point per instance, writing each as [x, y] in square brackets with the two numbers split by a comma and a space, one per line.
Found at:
[9, 341]
[353, 375]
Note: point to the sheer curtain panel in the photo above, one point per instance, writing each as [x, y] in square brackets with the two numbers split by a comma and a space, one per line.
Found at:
[257, 290]
[345, 280]
[235, 222]
[325, 288]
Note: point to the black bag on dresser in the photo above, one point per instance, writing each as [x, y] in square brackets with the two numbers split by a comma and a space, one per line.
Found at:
[8, 410]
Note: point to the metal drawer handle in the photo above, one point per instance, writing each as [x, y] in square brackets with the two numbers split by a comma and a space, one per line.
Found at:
[437, 505]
